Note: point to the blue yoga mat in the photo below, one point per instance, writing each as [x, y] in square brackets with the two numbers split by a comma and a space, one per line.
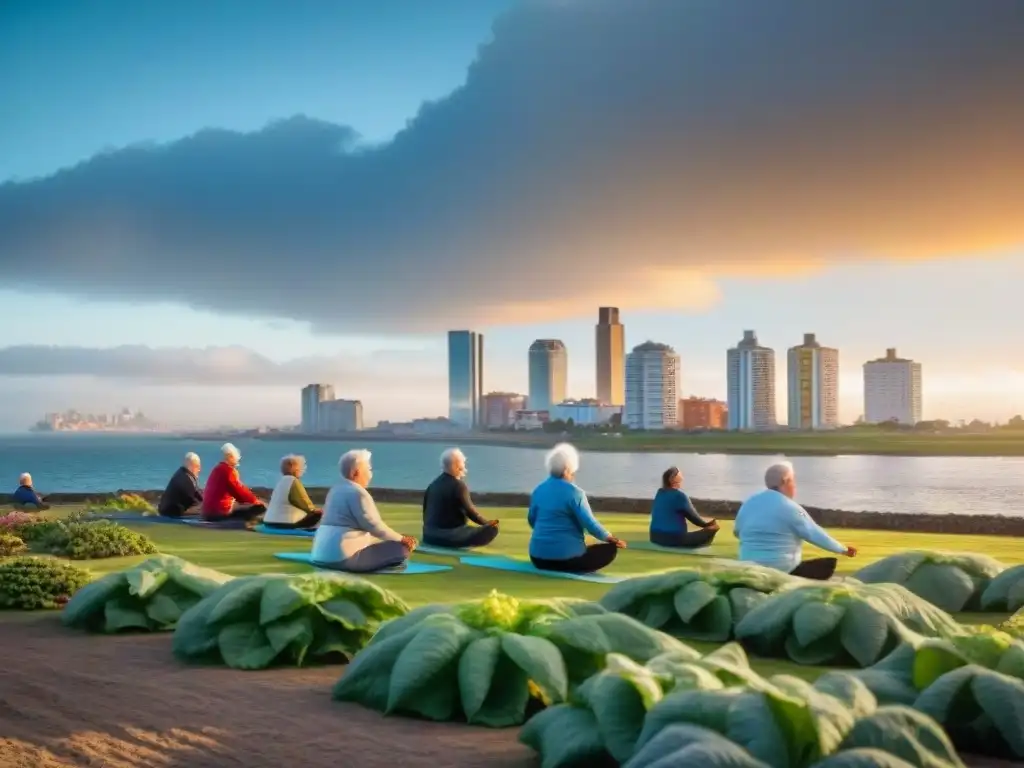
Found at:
[261, 528]
[647, 546]
[430, 549]
[521, 566]
[410, 569]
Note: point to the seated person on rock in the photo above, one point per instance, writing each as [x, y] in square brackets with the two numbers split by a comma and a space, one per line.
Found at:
[25, 496]
[183, 497]
[670, 513]
[290, 506]
[447, 508]
[560, 516]
[772, 529]
[352, 536]
[226, 497]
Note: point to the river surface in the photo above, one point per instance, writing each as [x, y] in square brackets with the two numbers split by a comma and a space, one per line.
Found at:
[921, 485]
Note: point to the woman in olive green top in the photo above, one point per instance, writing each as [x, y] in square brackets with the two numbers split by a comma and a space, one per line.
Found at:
[290, 506]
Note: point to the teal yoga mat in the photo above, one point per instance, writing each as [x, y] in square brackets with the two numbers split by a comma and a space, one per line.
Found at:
[430, 549]
[647, 546]
[261, 528]
[410, 569]
[521, 566]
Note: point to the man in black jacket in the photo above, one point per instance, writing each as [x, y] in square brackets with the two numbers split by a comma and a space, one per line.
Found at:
[183, 497]
[447, 509]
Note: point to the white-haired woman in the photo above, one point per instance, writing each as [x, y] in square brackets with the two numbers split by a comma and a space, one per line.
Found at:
[352, 536]
[290, 506]
[183, 497]
[448, 509]
[560, 516]
[26, 497]
[226, 497]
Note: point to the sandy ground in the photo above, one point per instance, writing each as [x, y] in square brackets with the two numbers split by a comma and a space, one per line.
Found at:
[70, 699]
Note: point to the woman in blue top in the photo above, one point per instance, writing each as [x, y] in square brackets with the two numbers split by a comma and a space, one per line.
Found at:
[672, 508]
[560, 515]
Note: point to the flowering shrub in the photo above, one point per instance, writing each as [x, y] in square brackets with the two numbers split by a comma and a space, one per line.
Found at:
[31, 583]
[90, 541]
[15, 522]
[124, 502]
[11, 545]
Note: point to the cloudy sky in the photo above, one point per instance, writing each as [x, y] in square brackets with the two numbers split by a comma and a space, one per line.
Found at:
[206, 204]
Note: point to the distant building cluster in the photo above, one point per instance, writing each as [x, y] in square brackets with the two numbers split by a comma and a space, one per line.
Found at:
[125, 420]
[322, 413]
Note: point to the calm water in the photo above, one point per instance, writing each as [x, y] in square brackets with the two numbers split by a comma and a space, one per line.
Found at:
[69, 462]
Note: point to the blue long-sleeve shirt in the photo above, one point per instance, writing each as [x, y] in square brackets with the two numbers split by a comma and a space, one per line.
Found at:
[26, 494]
[671, 509]
[772, 528]
[559, 516]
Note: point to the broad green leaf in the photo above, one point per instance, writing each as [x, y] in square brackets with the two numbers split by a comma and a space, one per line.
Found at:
[641, 678]
[620, 711]
[565, 736]
[743, 601]
[713, 624]
[194, 578]
[656, 611]
[815, 621]
[752, 724]
[143, 582]
[864, 632]
[865, 758]
[693, 598]
[195, 636]
[809, 731]
[1015, 595]
[730, 653]
[541, 661]
[690, 677]
[244, 645]
[708, 709]
[344, 612]
[424, 680]
[824, 651]
[293, 634]
[766, 627]
[121, 614]
[86, 607]
[476, 670]
[888, 687]
[850, 690]
[507, 697]
[332, 640]
[905, 733]
[688, 746]
[1002, 699]
[399, 625]
[934, 659]
[1012, 661]
[945, 586]
[367, 678]
[237, 601]
[284, 596]
[163, 610]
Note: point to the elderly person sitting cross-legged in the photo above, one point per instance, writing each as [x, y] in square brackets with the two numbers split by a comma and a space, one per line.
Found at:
[290, 506]
[26, 497]
[226, 497]
[352, 536]
[182, 497]
[560, 515]
[447, 508]
[772, 529]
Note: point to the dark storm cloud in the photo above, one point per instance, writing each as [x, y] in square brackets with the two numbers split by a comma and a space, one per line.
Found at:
[601, 150]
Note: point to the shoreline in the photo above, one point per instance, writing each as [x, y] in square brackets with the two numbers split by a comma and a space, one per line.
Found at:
[967, 525]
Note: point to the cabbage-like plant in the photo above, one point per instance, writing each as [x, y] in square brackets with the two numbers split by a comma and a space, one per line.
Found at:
[840, 624]
[150, 597]
[1005, 592]
[488, 662]
[695, 604]
[256, 621]
[953, 582]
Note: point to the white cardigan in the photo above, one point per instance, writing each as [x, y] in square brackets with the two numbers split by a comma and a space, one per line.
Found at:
[279, 510]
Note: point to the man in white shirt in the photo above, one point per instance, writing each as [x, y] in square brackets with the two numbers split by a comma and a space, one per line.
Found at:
[772, 529]
[352, 536]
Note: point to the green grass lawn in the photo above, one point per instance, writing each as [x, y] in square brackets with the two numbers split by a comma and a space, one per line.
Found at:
[241, 552]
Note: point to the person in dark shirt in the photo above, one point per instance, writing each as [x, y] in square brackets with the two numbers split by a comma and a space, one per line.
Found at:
[183, 497]
[26, 497]
[672, 510]
[447, 509]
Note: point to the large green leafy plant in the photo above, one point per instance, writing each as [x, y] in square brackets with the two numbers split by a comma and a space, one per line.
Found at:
[695, 604]
[486, 661]
[152, 596]
[1005, 592]
[31, 583]
[256, 621]
[842, 624]
[683, 711]
[953, 582]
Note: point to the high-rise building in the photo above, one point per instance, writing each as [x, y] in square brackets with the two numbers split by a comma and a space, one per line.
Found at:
[340, 416]
[892, 390]
[750, 373]
[312, 396]
[813, 385]
[465, 377]
[499, 409]
[702, 413]
[652, 387]
[549, 370]
[587, 412]
[611, 357]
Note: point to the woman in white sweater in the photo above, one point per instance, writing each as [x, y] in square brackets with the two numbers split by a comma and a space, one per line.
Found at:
[352, 536]
[290, 505]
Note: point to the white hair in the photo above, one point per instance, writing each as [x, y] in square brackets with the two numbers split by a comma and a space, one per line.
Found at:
[190, 459]
[228, 449]
[450, 456]
[562, 460]
[777, 474]
[24, 479]
[352, 459]
[293, 460]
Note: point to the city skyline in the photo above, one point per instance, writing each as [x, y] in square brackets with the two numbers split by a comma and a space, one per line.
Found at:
[362, 158]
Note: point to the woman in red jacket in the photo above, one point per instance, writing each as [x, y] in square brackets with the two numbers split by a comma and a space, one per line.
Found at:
[226, 497]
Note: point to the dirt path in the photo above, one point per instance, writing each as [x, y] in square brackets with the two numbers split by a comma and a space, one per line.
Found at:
[68, 699]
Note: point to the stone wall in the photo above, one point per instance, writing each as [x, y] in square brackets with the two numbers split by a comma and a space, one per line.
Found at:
[990, 525]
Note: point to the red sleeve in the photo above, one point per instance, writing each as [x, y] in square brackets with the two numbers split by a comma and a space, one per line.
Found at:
[238, 490]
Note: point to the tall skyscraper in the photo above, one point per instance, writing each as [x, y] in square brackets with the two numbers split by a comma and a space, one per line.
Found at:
[892, 390]
[611, 357]
[549, 370]
[750, 373]
[340, 416]
[652, 387]
[465, 377]
[312, 396]
[813, 384]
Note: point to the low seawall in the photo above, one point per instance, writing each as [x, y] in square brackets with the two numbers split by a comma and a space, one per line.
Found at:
[983, 525]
